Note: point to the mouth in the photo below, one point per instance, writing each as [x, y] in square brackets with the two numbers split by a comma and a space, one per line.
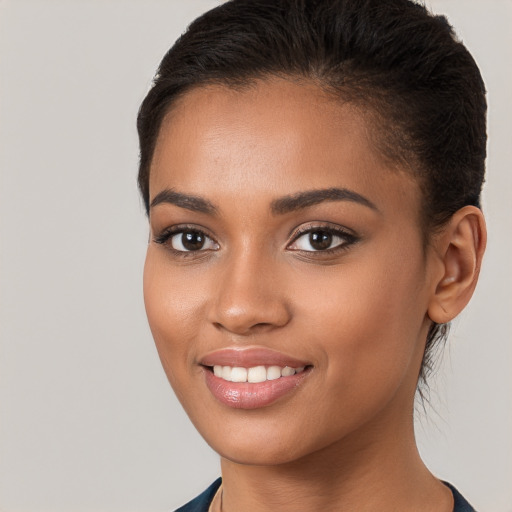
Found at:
[254, 374]
[252, 378]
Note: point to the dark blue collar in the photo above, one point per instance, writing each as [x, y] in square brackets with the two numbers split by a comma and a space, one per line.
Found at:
[460, 503]
[202, 502]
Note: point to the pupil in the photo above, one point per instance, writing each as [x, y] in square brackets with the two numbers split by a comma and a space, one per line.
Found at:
[192, 240]
[320, 240]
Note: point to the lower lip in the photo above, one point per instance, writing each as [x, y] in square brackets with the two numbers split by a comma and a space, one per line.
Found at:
[248, 395]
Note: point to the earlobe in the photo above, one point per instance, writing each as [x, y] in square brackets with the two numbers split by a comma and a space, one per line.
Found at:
[460, 247]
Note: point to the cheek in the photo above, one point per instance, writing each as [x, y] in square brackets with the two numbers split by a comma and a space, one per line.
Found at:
[367, 319]
[173, 307]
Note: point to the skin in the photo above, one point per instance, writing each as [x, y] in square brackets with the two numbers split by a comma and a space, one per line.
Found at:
[358, 315]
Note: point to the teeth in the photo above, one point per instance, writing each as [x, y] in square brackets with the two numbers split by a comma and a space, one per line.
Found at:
[238, 374]
[226, 372]
[287, 371]
[254, 374]
[273, 372]
[257, 374]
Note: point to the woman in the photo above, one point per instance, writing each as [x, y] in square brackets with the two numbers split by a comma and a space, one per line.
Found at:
[312, 171]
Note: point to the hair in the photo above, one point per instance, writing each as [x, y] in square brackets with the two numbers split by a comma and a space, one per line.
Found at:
[391, 58]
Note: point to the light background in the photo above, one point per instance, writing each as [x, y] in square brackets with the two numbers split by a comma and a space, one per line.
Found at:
[87, 419]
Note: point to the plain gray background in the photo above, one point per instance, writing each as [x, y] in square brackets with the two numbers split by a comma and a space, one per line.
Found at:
[87, 419]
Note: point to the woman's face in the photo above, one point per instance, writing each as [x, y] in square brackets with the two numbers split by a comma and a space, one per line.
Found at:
[279, 238]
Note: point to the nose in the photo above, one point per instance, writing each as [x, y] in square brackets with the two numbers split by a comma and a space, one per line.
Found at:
[249, 296]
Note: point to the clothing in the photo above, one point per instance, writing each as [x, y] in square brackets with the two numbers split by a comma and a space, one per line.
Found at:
[202, 502]
[461, 505]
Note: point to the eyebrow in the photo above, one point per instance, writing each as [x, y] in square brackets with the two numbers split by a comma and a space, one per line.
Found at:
[309, 198]
[190, 202]
[279, 206]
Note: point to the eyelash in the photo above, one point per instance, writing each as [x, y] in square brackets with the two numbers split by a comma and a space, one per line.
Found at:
[166, 235]
[348, 239]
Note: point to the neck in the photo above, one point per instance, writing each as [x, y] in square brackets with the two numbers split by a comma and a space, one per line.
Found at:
[378, 468]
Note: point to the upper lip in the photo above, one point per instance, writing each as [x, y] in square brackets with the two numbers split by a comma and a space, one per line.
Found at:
[250, 357]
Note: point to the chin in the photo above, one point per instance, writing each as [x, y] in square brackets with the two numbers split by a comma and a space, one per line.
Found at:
[253, 444]
[258, 456]
[266, 446]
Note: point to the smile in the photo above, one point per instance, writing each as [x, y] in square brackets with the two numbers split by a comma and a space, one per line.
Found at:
[254, 374]
[252, 377]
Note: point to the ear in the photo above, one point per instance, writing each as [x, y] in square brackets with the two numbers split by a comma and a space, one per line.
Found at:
[460, 248]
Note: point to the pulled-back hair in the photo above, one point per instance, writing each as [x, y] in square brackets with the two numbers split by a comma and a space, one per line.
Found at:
[392, 58]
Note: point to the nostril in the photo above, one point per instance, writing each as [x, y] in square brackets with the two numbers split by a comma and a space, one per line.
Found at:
[245, 328]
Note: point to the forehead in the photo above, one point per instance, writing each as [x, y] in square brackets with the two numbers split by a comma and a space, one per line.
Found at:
[272, 138]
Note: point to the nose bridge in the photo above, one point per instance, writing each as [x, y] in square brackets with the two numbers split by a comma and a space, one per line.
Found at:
[248, 295]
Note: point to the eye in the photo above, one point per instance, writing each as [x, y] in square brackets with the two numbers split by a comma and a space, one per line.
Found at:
[186, 240]
[191, 241]
[321, 239]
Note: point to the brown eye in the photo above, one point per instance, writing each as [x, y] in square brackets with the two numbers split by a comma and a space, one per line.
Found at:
[320, 240]
[191, 240]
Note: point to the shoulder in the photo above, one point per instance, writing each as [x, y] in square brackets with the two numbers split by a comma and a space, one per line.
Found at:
[460, 503]
[201, 502]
